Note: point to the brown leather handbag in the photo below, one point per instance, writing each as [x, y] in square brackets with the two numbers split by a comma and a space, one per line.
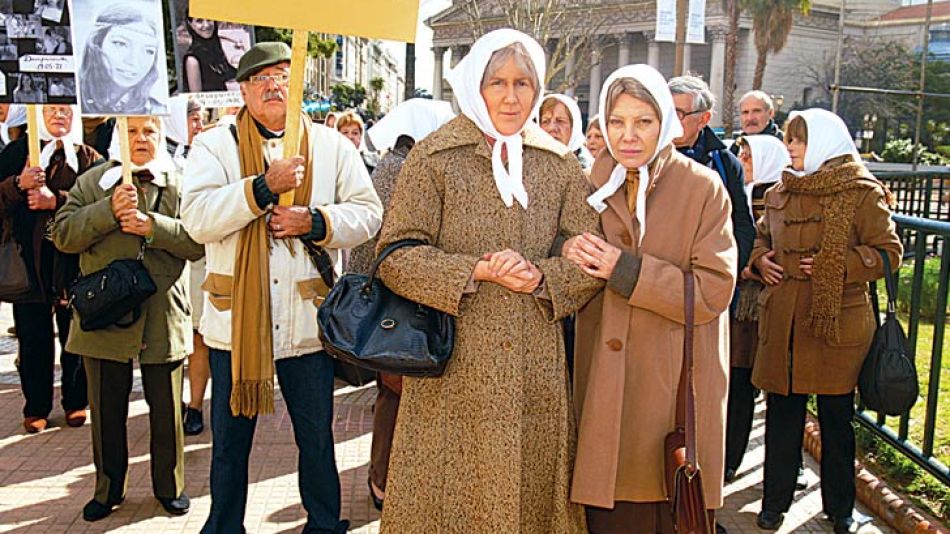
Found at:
[684, 483]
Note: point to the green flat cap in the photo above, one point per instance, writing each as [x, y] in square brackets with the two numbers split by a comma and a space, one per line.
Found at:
[259, 56]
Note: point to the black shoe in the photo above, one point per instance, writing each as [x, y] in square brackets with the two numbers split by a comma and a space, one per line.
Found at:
[800, 482]
[846, 525]
[193, 422]
[721, 529]
[767, 520]
[177, 506]
[95, 510]
[377, 502]
[730, 475]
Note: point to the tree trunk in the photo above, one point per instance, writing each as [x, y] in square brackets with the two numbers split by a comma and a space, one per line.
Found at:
[410, 88]
[760, 61]
[729, 74]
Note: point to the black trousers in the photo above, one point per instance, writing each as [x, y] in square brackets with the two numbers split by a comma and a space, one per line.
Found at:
[784, 429]
[34, 330]
[739, 414]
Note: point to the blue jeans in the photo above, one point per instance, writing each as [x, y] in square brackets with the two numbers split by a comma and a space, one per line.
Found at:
[307, 386]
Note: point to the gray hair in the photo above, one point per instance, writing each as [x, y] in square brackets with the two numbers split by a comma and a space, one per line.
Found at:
[703, 98]
[630, 87]
[519, 54]
[759, 95]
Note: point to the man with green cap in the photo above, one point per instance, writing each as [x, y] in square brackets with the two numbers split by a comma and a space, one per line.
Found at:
[263, 290]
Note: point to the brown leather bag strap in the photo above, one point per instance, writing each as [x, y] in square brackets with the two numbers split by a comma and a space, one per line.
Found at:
[685, 402]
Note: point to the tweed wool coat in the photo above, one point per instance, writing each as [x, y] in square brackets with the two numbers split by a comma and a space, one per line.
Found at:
[487, 447]
[629, 349]
[793, 223]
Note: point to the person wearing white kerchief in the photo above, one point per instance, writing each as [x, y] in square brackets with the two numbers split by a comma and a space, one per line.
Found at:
[560, 116]
[29, 196]
[13, 124]
[763, 158]
[487, 447]
[818, 244]
[104, 220]
[662, 214]
[595, 138]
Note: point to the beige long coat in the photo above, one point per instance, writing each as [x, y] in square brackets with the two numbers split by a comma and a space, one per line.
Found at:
[629, 351]
[487, 448]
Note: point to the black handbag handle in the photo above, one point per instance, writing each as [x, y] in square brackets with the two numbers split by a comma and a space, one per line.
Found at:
[385, 253]
[890, 283]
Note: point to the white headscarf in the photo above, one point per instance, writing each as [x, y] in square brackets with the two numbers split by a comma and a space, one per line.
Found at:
[769, 159]
[162, 163]
[72, 138]
[670, 129]
[16, 116]
[577, 128]
[466, 81]
[828, 138]
[177, 123]
[416, 117]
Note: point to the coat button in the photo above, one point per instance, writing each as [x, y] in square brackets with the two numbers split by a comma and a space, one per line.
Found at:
[625, 238]
[614, 344]
[869, 262]
[507, 345]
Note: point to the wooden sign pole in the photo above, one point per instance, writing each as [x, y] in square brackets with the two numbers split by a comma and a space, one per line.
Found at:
[33, 127]
[125, 151]
[298, 58]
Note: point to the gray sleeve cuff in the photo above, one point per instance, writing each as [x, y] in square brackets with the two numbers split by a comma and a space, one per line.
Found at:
[624, 278]
[262, 194]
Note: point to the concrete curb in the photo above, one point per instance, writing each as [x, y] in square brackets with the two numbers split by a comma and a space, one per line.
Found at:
[895, 509]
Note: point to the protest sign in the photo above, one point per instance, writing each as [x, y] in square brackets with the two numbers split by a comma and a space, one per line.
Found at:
[207, 51]
[36, 53]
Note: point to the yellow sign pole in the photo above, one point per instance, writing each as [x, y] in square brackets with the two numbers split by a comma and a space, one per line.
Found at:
[298, 67]
[125, 151]
[33, 126]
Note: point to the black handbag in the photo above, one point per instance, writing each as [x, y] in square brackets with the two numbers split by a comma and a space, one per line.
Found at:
[364, 323]
[15, 280]
[113, 296]
[888, 381]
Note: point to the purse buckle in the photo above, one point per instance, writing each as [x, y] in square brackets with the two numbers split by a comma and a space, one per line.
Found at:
[388, 324]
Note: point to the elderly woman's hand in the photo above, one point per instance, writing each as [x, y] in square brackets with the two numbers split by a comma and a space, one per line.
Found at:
[508, 269]
[40, 199]
[124, 198]
[772, 273]
[31, 178]
[135, 222]
[592, 254]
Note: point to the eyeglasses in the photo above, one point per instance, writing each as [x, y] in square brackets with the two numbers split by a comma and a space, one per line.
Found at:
[52, 111]
[279, 79]
[683, 114]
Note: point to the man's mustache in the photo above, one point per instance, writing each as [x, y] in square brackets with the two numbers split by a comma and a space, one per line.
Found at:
[273, 95]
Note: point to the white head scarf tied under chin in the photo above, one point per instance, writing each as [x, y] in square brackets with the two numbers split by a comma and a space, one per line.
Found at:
[769, 159]
[162, 163]
[466, 82]
[16, 116]
[72, 138]
[577, 129]
[670, 129]
[828, 138]
[416, 117]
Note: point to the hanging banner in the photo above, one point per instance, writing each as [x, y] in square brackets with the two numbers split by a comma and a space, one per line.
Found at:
[696, 22]
[207, 51]
[374, 19]
[36, 53]
[120, 56]
[665, 21]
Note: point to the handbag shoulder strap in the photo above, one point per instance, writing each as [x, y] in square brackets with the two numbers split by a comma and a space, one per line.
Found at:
[890, 283]
[389, 250]
[685, 401]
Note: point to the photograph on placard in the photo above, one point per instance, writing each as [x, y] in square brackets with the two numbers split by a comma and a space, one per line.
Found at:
[51, 10]
[207, 51]
[35, 44]
[62, 86]
[54, 41]
[22, 26]
[120, 57]
[30, 89]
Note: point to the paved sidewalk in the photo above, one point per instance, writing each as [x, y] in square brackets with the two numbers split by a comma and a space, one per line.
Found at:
[46, 478]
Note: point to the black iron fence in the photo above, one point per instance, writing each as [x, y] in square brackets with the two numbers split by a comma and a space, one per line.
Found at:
[920, 233]
[919, 194]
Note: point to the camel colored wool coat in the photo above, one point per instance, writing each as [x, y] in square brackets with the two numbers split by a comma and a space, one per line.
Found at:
[629, 351]
[488, 447]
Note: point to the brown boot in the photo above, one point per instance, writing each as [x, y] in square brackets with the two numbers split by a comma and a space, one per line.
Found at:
[34, 424]
[76, 418]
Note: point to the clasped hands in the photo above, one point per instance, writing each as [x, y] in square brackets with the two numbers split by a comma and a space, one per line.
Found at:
[125, 208]
[772, 273]
[38, 196]
[592, 254]
[508, 269]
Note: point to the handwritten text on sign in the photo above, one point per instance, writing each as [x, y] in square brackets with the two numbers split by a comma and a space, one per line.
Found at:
[35, 63]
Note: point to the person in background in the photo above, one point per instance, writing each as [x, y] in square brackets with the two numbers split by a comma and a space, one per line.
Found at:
[397, 133]
[350, 124]
[29, 197]
[561, 117]
[757, 117]
[330, 120]
[206, 66]
[763, 159]
[595, 138]
[817, 246]
[102, 221]
[630, 337]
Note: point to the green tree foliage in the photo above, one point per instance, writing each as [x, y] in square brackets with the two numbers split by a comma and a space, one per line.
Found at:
[347, 96]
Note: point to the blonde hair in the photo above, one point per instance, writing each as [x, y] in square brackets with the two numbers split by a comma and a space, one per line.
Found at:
[630, 86]
[796, 129]
[347, 118]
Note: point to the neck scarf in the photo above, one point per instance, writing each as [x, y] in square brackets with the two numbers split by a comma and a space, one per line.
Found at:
[670, 129]
[70, 139]
[769, 159]
[252, 347]
[160, 164]
[466, 82]
[416, 117]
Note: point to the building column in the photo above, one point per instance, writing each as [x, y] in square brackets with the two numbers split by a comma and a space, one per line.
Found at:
[653, 50]
[458, 52]
[686, 57]
[596, 78]
[624, 42]
[437, 74]
[717, 68]
[569, 66]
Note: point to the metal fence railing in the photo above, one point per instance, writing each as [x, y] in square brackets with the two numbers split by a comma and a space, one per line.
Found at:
[920, 234]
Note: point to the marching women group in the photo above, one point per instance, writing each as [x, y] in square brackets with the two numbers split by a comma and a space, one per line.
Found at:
[635, 232]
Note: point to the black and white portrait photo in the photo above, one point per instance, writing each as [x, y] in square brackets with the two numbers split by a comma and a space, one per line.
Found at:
[30, 89]
[8, 50]
[51, 10]
[120, 51]
[207, 51]
[61, 86]
[53, 41]
[21, 26]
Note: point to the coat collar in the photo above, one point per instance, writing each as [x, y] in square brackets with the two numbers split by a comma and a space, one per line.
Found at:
[618, 201]
[461, 131]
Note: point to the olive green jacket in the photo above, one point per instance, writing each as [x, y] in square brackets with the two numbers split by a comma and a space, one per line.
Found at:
[86, 226]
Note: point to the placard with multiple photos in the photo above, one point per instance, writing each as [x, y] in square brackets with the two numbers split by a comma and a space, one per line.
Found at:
[36, 53]
[207, 51]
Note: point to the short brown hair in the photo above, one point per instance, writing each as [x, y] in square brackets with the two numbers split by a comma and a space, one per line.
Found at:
[347, 118]
[630, 86]
[548, 104]
[796, 129]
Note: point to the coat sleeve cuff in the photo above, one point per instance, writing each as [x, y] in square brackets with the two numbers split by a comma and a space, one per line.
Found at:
[263, 196]
[624, 278]
[318, 229]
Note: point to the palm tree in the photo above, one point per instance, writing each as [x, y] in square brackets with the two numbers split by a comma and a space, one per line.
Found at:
[731, 8]
[771, 23]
